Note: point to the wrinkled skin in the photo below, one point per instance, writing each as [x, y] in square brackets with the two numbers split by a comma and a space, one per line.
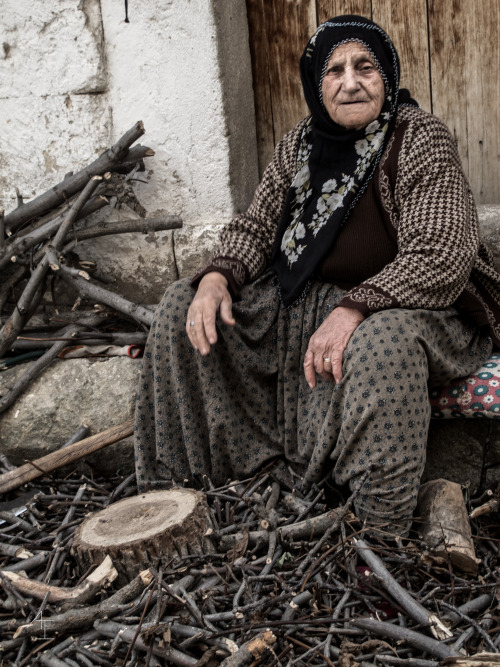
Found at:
[212, 297]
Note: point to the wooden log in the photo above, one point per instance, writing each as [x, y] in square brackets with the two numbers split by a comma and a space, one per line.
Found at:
[14, 478]
[139, 532]
[444, 524]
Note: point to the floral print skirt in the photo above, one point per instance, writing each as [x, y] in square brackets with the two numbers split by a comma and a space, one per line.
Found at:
[246, 403]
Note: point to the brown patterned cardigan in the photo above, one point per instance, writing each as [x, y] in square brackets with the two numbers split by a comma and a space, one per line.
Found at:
[421, 190]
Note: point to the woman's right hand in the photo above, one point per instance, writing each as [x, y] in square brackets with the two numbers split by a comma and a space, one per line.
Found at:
[212, 297]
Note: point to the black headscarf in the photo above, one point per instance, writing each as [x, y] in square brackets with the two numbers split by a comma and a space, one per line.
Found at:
[334, 164]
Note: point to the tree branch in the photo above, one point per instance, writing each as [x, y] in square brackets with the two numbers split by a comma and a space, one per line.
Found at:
[71, 185]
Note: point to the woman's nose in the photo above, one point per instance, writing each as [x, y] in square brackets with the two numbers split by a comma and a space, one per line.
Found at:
[350, 80]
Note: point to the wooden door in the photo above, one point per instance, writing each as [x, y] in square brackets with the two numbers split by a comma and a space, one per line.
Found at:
[450, 61]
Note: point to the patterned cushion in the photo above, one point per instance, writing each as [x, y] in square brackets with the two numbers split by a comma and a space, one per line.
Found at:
[475, 396]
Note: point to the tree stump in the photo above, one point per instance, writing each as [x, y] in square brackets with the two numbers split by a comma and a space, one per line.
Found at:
[141, 531]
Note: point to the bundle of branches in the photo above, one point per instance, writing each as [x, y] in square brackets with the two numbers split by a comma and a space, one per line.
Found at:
[287, 581]
[38, 239]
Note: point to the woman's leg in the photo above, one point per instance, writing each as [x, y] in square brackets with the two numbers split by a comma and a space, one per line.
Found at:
[213, 415]
[389, 362]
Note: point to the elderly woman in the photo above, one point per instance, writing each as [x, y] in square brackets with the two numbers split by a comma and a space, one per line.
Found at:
[354, 279]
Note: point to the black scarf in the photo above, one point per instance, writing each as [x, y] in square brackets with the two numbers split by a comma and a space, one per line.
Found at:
[334, 164]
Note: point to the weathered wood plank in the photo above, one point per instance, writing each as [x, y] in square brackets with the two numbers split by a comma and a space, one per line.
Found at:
[261, 82]
[278, 34]
[482, 80]
[406, 25]
[447, 53]
[327, 9]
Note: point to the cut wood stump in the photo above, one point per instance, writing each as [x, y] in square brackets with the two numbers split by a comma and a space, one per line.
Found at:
[142, 531]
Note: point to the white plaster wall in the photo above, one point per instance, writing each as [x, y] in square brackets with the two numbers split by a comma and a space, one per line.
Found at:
[51, 58]
[74, 76]
[163, 70]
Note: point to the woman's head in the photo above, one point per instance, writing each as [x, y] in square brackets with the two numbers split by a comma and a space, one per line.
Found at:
[350, 73]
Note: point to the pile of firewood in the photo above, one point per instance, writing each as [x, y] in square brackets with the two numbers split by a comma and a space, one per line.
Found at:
[39, 242]
[285, 581]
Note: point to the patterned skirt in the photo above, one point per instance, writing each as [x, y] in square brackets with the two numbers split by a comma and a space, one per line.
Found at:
[246, 403]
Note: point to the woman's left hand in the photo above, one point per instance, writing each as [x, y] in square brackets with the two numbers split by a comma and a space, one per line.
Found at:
[326, 347]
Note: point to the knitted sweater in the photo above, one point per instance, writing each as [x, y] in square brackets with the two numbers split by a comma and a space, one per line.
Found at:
[419, 181]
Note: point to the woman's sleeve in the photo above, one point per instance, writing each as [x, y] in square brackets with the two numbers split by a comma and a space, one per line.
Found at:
[437, 227]
[245, 245]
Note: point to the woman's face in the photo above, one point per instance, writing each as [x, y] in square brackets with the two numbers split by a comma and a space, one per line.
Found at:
[352, 88]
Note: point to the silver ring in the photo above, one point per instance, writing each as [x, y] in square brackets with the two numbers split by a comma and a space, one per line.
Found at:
[327, 359]
[191, 324]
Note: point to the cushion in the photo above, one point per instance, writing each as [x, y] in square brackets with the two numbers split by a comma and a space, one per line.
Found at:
[477, 395]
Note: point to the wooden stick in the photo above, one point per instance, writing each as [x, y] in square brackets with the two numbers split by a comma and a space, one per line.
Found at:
[23, 243]
[15, 478]
[69, 186]
[88, 290]
[252, 652]
[418, 612]
[432, 646]
[14, 325]
[103, 575]
[305, 530]
[141, 225]
[85, 616]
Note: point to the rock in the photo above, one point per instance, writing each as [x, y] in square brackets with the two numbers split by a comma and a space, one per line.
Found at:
[457, 449]
[489, 225]
[70, 393]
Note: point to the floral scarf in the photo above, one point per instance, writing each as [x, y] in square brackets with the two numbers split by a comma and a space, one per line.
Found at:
[334, 164]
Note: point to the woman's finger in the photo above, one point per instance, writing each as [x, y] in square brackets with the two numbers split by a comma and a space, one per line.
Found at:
[309, 369]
